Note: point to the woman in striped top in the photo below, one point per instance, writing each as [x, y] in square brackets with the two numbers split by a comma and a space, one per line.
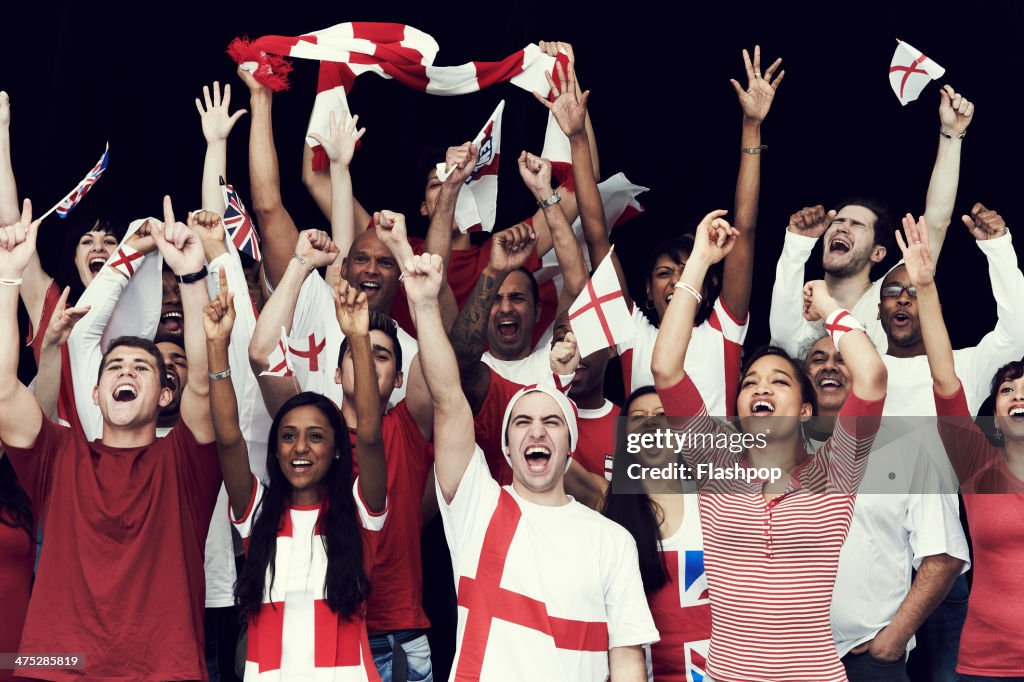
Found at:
[771, 547]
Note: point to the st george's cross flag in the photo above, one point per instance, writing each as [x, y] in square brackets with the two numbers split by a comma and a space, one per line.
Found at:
[279, 364]
[910, 71]
[397, 51]
[238, 224]
[65, 205]
[600, 317]
[477, 205]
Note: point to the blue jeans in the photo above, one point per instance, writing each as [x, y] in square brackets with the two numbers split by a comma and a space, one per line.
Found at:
[938, 639]
[417, 656]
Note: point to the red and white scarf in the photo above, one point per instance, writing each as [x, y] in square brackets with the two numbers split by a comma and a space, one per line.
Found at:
[397, 51]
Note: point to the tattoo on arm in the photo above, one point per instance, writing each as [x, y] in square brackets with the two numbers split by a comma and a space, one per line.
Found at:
[469, 334]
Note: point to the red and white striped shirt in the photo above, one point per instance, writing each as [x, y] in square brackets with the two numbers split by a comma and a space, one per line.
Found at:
[771, 565]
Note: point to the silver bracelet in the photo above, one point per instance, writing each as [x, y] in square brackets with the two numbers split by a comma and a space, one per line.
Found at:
[304, 261]
[219, 375]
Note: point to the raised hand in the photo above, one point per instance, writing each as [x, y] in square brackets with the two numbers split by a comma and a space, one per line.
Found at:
[756, 100]
[142, 239]
[213, 113]
[209, 225]
[181, 247]
[316, 247]
[18, 244]
[5, 110]
[423, 277]
[565, 355]
[255, 87]
[63, 321]
[818, 303]
[536, 175]
[351, 308]
[570, 106]
[392, 233]
[460, 162]
[811, 221]
[955, 111]
[511, 248]
[340, 147]
[553, 48]
[219, 314]
[715, 237]
[984, 223]
[917, 257]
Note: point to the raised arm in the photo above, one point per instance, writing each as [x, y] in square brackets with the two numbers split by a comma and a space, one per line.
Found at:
[318, 184]
[277, 229]
[509, 250]
[353, 315]
[46, 386]
[454, 439]
[217, 125]
[218, 321]
[340, 148]
[955, 114]
[755, 102]
[182, 250]
[20, 416]
[461, 161]
[313, 250]
[714, 239]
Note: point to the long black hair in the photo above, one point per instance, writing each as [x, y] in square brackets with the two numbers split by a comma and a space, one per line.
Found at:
[15, 507]
[678, 249]
[639, 515]
[346, 585]
[81, 223]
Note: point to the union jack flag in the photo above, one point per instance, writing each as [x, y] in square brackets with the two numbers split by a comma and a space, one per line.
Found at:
[76, 195]
[239, 226]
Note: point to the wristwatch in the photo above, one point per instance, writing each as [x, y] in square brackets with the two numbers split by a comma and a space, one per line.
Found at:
[551, 200]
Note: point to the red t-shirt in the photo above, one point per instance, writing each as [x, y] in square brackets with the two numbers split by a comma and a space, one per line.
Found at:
[464, 270]
[66, 409]
[17, 559]
[121, 579]
[395, 601]
[487, 425]
[596, 446]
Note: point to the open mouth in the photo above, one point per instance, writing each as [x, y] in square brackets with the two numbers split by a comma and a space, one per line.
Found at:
[901, 319]
[125, 393]
[172, 380]
[537, 458]
[1017, 414]
[830, 383]
[301, 465]
[96, 264]
[370, 287]
[839, 245]
[172, 321]
[762, 408]
[507, 329]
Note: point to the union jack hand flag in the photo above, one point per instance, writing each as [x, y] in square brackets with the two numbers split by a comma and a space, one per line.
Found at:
[239, 226]
[76, 195]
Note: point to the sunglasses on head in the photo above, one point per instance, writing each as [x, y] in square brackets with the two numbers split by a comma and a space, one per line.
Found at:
[895, 291]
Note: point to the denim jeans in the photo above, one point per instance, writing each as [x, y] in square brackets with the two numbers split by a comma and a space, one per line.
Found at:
[417, 656]
[866, 668]
[938, 638]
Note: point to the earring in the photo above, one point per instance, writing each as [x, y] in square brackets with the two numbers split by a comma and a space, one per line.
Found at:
[649, 305]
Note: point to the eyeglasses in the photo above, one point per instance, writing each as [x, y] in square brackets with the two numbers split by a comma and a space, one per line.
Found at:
[895, 291]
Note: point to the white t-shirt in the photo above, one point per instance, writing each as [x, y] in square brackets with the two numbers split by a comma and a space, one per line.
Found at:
[899, 518]
[712, 359]
[314, 315]
[535, 368]
[553, 565]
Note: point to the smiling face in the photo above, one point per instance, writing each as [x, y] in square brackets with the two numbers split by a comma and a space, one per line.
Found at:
[1009, 408]
[176, 365]
[389, 374]
[370, 268]
[771, 400]
[172, 317]
[898, 314]
[306, 448]
[129, 392]
[829, 375]
[538, 442]
[93, 250]
[513, 317]
[850, 242]
[645, 414]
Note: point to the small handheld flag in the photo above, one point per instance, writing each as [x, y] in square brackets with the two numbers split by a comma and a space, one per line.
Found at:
[65, 205]
[600, 317]
[237, 223]
[279, 364]
[477, 205]
[910, 71]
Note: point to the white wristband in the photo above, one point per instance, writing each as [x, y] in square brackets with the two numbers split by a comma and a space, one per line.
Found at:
[563, 381]
[840, 322]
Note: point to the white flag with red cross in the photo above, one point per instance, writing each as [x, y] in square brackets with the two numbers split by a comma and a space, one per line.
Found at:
[279, 364]
[910, 71]
[600, 317]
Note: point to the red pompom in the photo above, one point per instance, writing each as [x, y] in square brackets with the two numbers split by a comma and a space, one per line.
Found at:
[272, 70]
[320, 160]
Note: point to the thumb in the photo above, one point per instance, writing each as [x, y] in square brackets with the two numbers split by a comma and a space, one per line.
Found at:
[237, 115]
[319, 140]
[736, 86]
[969, 222]
[584, 99]
[570, 338]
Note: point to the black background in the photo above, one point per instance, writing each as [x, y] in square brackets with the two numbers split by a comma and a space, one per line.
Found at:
[82, 73]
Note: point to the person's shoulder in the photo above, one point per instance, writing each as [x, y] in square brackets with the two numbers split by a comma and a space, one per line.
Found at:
[599, 524]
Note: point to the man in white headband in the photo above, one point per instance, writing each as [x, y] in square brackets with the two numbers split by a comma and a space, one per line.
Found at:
[547, 588]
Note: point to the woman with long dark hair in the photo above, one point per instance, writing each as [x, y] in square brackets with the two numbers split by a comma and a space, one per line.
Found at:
[991, 475]
[308, 532]
[17, 558]
[666, 526]
[773, 515]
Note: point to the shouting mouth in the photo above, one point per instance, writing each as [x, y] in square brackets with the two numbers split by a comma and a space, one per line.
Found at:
[537, 458]
[173, 321]
[839, 245]
[125, 393]
[762, 408]
[96, 264]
